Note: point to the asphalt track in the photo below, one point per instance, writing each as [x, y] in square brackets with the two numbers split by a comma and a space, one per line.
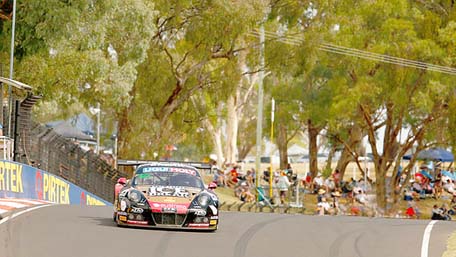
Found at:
[75, 231]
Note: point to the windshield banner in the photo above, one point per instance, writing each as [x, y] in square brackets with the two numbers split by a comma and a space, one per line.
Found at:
[18, 180]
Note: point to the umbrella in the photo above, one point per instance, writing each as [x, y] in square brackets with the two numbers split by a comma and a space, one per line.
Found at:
[448, 174]
[434, 154]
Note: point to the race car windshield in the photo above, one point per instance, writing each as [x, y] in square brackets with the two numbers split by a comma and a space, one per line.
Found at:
[167, 179]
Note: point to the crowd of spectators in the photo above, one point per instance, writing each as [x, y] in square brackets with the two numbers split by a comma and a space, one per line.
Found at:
[337, 196]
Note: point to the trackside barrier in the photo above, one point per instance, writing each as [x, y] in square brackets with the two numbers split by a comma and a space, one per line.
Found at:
[18, 180]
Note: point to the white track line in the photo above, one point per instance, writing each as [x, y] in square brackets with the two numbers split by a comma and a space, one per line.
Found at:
[14, 204]
[22, 212]
[426, 238]
[21, 201]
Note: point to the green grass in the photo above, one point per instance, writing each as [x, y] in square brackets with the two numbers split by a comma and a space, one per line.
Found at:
[451, 247]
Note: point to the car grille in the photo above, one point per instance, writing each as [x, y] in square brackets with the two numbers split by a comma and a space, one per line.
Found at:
[168, 218]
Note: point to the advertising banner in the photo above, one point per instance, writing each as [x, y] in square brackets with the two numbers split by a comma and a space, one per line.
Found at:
[18, 180]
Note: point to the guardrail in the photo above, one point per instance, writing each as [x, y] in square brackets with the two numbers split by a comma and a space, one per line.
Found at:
[18, 180]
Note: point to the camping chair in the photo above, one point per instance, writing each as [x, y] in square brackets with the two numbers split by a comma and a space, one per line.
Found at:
[262, 197]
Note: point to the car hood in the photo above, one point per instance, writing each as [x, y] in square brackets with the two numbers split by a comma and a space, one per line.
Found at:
[176, 202]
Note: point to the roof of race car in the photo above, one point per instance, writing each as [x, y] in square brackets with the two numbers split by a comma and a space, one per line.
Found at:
[198, 165]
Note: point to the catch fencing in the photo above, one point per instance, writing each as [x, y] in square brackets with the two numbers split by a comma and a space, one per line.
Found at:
[48, 150]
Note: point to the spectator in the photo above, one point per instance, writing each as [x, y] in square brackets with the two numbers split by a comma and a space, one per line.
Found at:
[246, 195]
[307, 181]
[323, 207]
[335, 202]
[412, 210]
[282, 185]
[317, 182]
[445, 210]
[321, 194]
[336, 177]
[329, 184]
[219, 178]
[232, 177]
[249, 179]
[437, 213]
[448, 185]
[452, 210]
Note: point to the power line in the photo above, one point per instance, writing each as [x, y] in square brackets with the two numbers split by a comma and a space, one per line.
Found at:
[331, 48]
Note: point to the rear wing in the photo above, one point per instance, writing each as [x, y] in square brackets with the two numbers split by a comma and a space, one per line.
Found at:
[198, 165]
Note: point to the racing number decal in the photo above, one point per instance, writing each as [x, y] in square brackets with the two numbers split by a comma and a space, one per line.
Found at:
[168, 191]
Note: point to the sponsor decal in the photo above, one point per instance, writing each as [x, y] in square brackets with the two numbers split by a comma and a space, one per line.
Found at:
[122, 213]
[136, 210]
[182, 170]
[168, 191]
[122, 218]
[55, 189]
[214, 218]
[137, 222]
[196, 225]
[154, 169]
[176, 208]
[213, 222]
[92, 201]
[11, 177]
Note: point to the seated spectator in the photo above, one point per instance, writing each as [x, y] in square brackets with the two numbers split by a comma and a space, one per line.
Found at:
[323, 207]
[321, 194]
[219, 178]
[336, 207]
[329, 185]
[249, 178]
[317, 182]
[348, 186]
[246, 195]
[412, 210]
[438, 213]
[232, 177]
[307, 181]
[337, 178]
[448, 185]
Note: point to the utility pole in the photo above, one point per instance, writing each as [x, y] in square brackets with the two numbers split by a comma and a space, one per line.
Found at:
[98, 128]
[272, 140]
[260, 113]
[10, 89]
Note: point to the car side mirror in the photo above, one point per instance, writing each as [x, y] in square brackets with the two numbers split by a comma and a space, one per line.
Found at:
[212, 186]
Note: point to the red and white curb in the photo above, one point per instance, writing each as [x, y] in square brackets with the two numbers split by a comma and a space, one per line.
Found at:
[11, 204]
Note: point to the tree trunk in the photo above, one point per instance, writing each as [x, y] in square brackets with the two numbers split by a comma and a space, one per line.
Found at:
[231, 131]
[352, 145]
[313, 149]
[330, 157]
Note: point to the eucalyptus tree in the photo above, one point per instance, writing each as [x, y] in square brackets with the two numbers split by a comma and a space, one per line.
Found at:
[79, 53]
[369, 96]
[194, 52]
[389, 97]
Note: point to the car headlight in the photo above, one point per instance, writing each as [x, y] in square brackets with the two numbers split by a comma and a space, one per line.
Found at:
[134, 196]
[203, 200]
